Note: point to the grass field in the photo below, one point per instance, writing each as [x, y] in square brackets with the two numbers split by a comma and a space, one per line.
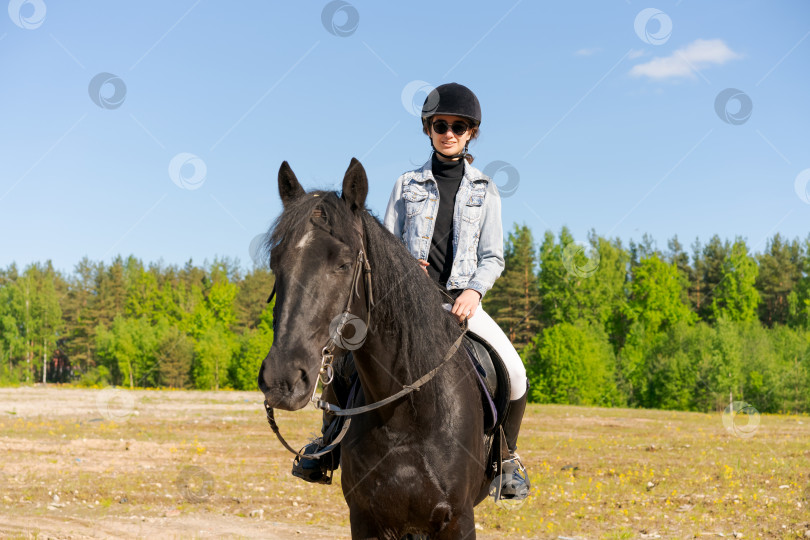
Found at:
[78, 463]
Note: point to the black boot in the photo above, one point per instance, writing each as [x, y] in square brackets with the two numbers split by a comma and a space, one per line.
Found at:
[514, 417]
[318, 470]
[515, 478]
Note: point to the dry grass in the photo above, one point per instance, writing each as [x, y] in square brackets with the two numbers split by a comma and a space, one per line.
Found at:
[75, 463]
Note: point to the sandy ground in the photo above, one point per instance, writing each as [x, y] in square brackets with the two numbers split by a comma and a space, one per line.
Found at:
[109, 463]
[81, 463]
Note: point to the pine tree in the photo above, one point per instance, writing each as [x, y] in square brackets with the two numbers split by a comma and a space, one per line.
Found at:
[77, 308]
[780, 268]
[708, 273]
[514, 299]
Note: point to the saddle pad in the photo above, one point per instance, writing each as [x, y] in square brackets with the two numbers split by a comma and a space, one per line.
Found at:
[494, 379]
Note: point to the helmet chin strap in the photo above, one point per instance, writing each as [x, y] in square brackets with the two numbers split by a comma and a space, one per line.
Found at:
[445, 156]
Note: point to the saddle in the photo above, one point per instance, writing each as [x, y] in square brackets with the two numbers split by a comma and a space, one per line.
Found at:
[494, 387]
[493, 379]
[495, 392]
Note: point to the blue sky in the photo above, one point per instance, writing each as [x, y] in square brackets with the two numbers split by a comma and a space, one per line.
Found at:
[604, 113]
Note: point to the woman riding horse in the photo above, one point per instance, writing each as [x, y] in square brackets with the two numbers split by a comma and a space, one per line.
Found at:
[448, 215]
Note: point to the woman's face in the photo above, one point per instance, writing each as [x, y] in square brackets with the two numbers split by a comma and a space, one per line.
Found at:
[449, 143]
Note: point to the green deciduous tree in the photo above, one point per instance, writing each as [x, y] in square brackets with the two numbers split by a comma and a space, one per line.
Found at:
[572, 363]
[253, 347]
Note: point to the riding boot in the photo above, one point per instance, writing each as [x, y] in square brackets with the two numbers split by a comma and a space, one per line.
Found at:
[317, 470]
[516, 480]
[514, 417]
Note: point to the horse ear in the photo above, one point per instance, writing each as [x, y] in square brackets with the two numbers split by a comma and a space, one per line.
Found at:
[355, 185]
[288, 186]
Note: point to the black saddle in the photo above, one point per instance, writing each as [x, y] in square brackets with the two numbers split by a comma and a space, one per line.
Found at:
[494, 379]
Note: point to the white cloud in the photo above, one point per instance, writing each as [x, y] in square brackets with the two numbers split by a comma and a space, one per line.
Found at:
[588, 52]
[687, 61]
[635, 53]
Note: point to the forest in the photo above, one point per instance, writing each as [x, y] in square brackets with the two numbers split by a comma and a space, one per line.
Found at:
[596, 323]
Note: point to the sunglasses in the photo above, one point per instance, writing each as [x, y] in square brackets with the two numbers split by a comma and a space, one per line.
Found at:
[459, 128]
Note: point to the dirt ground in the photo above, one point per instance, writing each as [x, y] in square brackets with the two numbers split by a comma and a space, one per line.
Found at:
[79, 463]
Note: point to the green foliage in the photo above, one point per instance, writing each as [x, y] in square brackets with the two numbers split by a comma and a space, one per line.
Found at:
[515, 296]
[656, 298]
[572, 363]
[253, 347]
[780, 268]
[175, 354]
[736, 298]
[127, 324]
[598, 323]
[129, 350]
[96, 377]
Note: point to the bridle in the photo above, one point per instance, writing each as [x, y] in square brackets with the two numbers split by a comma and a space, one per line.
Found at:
[326, 372]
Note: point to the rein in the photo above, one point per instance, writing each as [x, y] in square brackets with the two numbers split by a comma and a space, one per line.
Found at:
[326, 373]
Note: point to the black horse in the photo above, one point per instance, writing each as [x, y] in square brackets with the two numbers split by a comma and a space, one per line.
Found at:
[416, 465]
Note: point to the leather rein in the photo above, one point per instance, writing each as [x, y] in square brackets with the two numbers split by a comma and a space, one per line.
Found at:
[327, 373]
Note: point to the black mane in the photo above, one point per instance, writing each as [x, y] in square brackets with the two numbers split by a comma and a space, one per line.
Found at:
[404, 297]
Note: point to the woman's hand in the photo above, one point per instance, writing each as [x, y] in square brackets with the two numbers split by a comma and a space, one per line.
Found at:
[424, 264]
[466, 304]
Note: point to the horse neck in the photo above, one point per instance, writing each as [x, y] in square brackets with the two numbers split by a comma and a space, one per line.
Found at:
[384, 366]
[382, 362]
[378, 365]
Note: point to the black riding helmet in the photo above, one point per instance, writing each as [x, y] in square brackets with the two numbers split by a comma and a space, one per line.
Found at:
[453, 99]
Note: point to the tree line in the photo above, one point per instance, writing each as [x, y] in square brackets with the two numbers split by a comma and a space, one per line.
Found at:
[123, 323]
[596, 323]
[600, 324]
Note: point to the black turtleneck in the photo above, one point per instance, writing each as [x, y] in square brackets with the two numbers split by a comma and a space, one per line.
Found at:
[448, 177]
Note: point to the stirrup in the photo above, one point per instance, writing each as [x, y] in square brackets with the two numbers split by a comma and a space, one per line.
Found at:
[315, 470]
[514, 480]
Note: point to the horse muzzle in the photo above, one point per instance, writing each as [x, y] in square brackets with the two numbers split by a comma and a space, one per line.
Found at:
[290, 389]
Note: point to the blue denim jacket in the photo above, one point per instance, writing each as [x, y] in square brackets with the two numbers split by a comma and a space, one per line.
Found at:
[477, 227]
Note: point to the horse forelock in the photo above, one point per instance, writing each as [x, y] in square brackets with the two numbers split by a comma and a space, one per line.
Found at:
[317, 209]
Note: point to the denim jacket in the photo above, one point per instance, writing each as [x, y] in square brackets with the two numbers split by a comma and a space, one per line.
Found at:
[477, 227]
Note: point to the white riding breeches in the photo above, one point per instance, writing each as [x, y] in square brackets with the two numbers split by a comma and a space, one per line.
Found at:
[481, 324]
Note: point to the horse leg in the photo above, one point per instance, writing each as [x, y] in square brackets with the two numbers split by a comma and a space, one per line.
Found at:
[460, 528]
[365, 527]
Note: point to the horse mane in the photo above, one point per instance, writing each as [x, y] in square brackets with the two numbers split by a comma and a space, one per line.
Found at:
[404, 297]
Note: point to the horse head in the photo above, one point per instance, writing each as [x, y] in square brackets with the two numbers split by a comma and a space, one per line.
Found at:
[315, 254]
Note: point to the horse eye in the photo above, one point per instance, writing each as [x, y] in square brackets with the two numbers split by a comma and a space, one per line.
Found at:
[344, 267]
